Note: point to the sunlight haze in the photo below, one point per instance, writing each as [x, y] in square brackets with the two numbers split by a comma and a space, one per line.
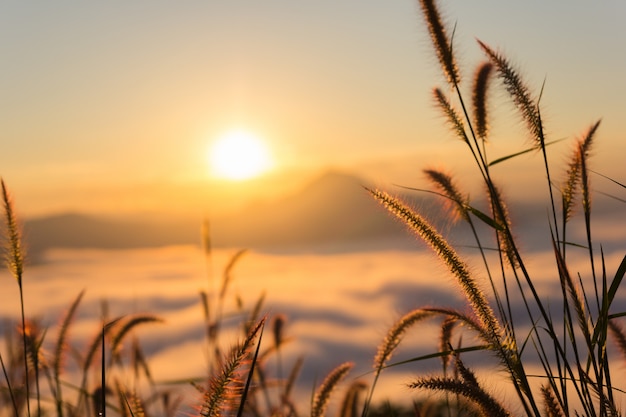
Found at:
[239, 155]
[104, 99]
[353, 180]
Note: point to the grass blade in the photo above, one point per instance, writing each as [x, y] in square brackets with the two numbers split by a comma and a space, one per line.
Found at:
[525, 151]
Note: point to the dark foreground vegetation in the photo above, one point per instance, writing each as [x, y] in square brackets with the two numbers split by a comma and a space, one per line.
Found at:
[559, 355]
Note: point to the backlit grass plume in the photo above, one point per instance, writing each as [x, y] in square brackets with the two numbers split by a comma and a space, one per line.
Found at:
[225, 388]
[447, 254]
[519, 92]
[14, 252]
[395, 334]
[441, 40]
[125, 326]
[453, 118]
[565, 332]
[479, 99]
[574, 175]
[324, 391]
[390, 343]
[488, 406]
[458, 202]
[15, 262]
[551, 404]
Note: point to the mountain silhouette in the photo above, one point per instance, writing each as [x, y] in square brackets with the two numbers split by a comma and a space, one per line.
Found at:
[332, 209]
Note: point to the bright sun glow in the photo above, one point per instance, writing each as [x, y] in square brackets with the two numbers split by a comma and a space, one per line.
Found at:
[239, 155]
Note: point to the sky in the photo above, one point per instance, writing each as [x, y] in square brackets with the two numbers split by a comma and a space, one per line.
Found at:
[112, 106]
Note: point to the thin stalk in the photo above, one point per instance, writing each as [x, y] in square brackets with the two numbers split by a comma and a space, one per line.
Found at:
[587, 213]
[25, 347]
[103, 412]
[484, 170]
[15, 262]
[8, 381]
[544, 153]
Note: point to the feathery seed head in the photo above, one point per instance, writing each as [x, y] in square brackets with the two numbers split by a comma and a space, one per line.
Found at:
[479, 99]
[465, 373]
[551, 404]
[126, 326]
[278, 329]
[445, 338]
[225, 387]
[448, 255]
[322, 395]
[452, 117]
[574, 171]
[350, 404]
[476, 394]
[14, 252]
[440, 40]
[520, 94]
[456, 203]
[395, 334]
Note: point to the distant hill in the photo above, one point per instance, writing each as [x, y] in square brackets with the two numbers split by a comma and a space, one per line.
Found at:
[333, 212]
[333, 209]
[82, 231]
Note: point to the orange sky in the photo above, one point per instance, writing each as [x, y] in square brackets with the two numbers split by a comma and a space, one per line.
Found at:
[110, 107]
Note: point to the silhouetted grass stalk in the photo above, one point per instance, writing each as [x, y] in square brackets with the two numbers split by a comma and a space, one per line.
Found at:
[223, 388]
[574, 360]
[15, 263]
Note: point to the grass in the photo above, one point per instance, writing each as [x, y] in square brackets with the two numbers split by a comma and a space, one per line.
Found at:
[570, 338]
[570, 342]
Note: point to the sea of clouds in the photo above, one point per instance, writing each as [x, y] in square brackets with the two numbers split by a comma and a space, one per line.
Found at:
[338, 304]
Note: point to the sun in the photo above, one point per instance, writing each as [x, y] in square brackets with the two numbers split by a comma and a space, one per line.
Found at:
[239, 155]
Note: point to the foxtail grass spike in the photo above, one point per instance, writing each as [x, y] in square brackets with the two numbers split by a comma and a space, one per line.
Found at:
[15, 263]
[448, 255]
[573, 175]
[278, 327]
[253, 366]
[465, 373]
[479, 99]
[440, 40]
[322, 395]
[519, 92]
[350, 403]
[130, 324]
[551, 405]
[464, 319]
[452, 116]
[390, 343]
[395, 334]
[445, 184]
[14, 251]
[445, 338]
[477, 395]
[223, 386]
